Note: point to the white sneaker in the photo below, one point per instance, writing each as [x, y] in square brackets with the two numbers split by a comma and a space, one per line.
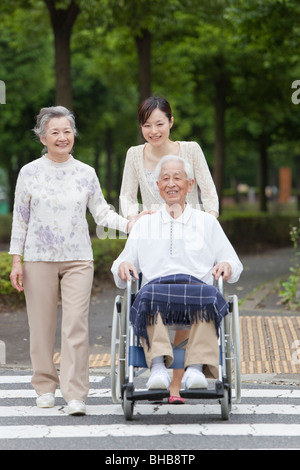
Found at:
[76, 407]
[193, 378]
[159, 379]
[46, 400]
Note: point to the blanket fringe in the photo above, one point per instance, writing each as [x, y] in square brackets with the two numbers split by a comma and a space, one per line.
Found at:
[173, 314]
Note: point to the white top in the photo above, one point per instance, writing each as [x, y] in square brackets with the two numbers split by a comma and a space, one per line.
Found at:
[49, 219]
[159, 245]
[134, 177]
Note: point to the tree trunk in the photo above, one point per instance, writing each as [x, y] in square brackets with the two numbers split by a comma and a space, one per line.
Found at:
[109, 156]
[143, 44]
[62, 23]
[263, 173]
[219, 148]
[298, 181]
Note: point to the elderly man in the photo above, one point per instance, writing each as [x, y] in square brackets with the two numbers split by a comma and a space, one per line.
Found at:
[185, 245]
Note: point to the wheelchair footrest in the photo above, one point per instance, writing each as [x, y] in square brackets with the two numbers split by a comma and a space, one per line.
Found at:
[218, 392]
[152, 395]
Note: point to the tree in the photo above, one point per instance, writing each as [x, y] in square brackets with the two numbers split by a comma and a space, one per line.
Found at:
[144, 18]
[199, 39]
[261, 100]
[25, 57]
[63, 18]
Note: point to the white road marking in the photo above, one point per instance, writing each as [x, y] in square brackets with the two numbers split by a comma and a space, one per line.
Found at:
[126, 430]
[106, 392]
[149, 409]
[24, 379]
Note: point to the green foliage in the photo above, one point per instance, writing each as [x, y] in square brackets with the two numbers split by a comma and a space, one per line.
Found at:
[5, 227]
[291, 286]
[254, 42]
[9, 297]
[5, 268]
[105, 252]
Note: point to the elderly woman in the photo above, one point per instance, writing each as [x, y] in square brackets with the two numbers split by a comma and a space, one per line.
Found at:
[50, 230]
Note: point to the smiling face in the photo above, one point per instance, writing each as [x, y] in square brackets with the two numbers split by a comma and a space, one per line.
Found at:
[173, 184]
[156, 129]
[59, 139]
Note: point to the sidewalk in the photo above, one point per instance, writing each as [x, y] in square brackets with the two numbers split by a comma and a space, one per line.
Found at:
[269, 333]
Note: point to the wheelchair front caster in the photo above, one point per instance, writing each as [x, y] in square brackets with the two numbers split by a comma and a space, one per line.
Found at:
[127, 407]
[225, 405]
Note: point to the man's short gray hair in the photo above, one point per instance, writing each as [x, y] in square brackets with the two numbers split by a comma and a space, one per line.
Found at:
[51, 112]
[174, 158]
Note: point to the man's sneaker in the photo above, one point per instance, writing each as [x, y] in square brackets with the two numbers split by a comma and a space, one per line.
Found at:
[193, 378]
[76, 408]
[159, 379]
[46, 400]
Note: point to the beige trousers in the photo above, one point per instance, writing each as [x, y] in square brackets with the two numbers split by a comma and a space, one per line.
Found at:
[41, 285]
[202, 346]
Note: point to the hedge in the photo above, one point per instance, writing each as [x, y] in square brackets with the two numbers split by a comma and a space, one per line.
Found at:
[248, 232]
[252, 233]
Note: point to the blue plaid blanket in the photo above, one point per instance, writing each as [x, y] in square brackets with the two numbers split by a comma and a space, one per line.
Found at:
[180, 299]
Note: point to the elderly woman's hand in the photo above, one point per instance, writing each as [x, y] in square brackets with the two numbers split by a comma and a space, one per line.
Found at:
[16, 275]
[132, 220]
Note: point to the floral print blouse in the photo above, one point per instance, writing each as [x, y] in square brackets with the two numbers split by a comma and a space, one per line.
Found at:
[49, 218]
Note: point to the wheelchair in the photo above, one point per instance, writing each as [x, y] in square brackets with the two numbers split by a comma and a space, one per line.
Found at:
[128, 360]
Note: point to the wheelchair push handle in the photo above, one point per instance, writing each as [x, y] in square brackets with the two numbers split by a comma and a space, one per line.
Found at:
[221, 284]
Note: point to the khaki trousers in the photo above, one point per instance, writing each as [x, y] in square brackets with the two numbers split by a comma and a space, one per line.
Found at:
[202, 346]
[41, 285]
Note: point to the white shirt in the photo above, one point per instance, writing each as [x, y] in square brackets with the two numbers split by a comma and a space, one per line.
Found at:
[49, 219]
[159, 245]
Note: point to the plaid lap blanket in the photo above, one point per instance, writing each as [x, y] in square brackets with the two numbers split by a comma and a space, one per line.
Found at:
[180, 299]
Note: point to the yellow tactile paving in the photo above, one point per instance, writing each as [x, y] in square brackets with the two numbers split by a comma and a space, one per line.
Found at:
[269, 344]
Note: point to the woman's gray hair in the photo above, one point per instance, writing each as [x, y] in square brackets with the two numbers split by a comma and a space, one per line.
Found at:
[174, 158]
[46, 114]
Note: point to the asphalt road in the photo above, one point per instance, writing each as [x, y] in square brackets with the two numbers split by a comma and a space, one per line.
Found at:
[267, 418]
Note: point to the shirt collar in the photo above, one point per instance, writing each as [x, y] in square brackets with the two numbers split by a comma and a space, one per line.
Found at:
[183, 219]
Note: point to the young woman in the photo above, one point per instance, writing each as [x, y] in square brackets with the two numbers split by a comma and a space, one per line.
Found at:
[156, 120]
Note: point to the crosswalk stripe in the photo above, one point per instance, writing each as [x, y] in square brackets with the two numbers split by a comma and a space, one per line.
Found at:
[24, 379]
[106, 392]
[148, 409]
[23, 393]
[147, 430]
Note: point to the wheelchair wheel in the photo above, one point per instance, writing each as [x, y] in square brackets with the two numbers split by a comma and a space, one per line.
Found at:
[233, 352]
[118, 339]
